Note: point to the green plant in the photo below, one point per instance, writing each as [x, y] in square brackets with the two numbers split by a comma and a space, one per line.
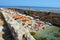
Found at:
[32, 33]
[57, 35]
[59, 30]
[52, 39]
[26, 12]
[42, 38]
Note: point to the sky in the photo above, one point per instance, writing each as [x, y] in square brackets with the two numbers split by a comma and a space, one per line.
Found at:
[41, 3]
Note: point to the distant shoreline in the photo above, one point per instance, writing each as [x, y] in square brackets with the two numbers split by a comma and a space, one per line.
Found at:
[53, 11]
[33, 7]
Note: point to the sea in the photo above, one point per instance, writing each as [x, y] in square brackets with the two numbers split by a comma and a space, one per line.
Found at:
[32, 7]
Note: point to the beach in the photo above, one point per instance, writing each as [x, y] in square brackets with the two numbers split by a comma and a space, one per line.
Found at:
[30, 24]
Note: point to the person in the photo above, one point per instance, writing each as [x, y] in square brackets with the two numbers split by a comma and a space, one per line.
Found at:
[29, 26]
[23, 37]
[23, 24]
[35, 27]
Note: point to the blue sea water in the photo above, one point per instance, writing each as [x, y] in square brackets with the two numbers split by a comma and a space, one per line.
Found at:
[33, 7]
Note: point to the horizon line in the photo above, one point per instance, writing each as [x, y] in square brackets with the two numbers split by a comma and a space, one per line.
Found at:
[29, 6]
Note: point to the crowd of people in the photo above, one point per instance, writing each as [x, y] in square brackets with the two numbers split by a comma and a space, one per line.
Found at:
[26, 21]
